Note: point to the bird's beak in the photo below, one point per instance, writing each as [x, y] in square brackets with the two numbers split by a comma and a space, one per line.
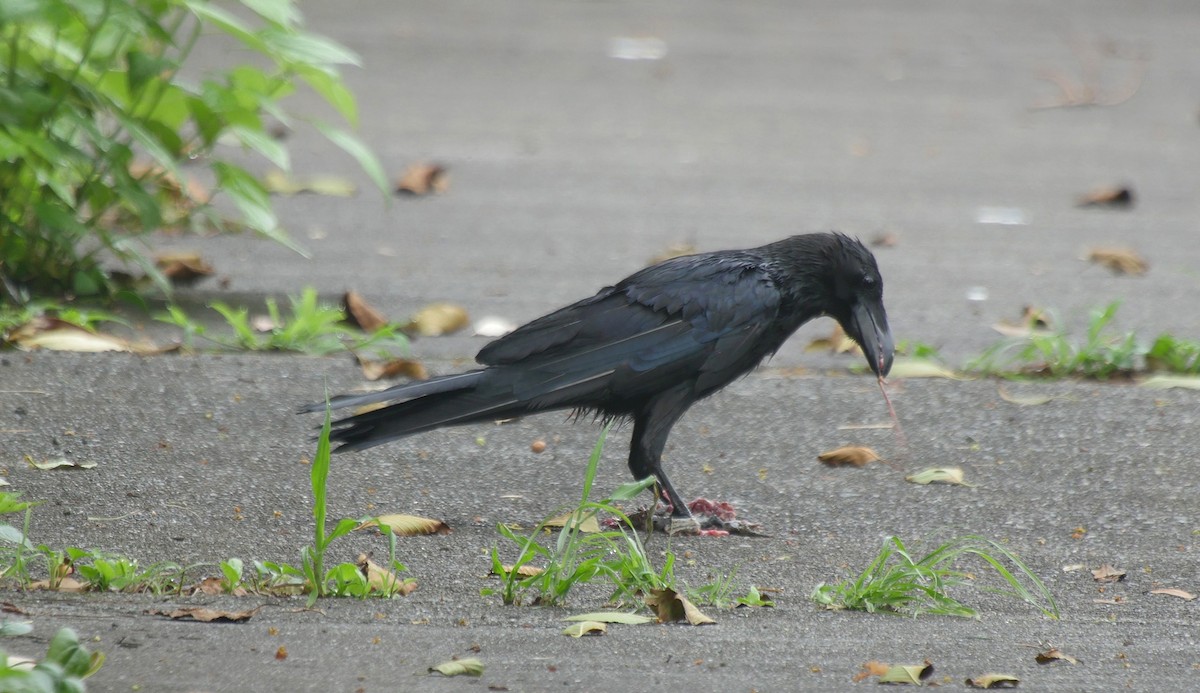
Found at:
[869, 327]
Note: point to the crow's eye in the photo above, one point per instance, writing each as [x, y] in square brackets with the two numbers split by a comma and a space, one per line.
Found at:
[868, 280]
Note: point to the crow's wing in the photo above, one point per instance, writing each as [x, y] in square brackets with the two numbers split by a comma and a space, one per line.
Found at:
[705, 317]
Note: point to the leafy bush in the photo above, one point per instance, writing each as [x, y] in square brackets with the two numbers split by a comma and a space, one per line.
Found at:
[96, 123]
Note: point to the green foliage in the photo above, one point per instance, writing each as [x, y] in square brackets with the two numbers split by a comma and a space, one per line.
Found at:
[63, 670]
[310, 327]
[1173, 355]
[1100, 355]
[578, 557]
[97, 123]
[896, 582]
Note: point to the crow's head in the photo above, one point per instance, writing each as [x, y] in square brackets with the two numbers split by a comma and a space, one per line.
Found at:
[855, 299]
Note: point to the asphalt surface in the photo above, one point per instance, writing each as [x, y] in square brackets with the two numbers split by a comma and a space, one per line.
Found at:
[571, 168]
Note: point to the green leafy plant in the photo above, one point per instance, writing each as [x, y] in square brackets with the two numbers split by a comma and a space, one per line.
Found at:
[66, 664]
[98, 122]
[1174, 355]
[310, 327]
[897, 582]
[579, 557]
[1100, 355]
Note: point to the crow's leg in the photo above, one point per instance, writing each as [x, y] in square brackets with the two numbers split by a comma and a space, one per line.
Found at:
[651, 426]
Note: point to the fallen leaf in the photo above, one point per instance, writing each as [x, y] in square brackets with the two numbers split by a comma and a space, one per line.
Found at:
[1054, 655]
[673, 251]
[407, 525]
[612, 617]
[904, 367]
[885, 240]
[1023, 400]
[908, 673]
[871, 668]
[361, 313]
[200, 613]
[1120, 196]
[578, 630]
[438, 319]
[1107, 573]
[849, 455]
[1172, 592]
[588, 525]
[277, 181]
[392, 368]
[281, 653]
[182, 267]
[383, 580]
[672, 606]
[1073, 567]
[66, 584]
[468, 666]
[994, 681]
[1033, 320]
[423, 178]
[1119, 260]
[54, 334]
[264, 323]
[1167, 382]
[492, 326]
[525, 570]
[836, 342]
[59, 463]
[939, 475]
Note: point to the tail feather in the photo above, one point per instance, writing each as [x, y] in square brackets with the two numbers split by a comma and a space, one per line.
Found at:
[403, 391]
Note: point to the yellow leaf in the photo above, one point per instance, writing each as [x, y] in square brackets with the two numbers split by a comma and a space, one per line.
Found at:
[904, 367]
[908, 673]
[612, 617]
[438, 319]
[383, 580]
[588, 525]
[468, 666]
[994, 681]
[578, 630]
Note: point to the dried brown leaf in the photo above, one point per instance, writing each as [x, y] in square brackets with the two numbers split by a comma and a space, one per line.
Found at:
[281, 653]
[871, 668]
[392, 368]
[361, 313]
[939, 475]
[524, 570]
[1107, 573]
[423, 178]
[407, 525]
[200, 613]
[670, 606]
[836, 342]
[438, 319]
[66, 584]
[1054, 655]
[1173, 592]
[1119, 260]
[1032, 321]
[855, 455]
[1116, 197]
[673, 251]
[383, 580]
[182, 267]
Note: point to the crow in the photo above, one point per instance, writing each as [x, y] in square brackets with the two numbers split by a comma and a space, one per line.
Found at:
[647, 347]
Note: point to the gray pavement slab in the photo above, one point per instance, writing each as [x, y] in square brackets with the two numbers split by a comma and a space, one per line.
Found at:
[571, 168]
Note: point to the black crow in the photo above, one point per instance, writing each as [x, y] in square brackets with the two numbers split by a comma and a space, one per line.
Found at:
[648, 347]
